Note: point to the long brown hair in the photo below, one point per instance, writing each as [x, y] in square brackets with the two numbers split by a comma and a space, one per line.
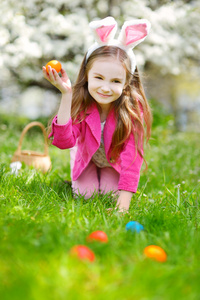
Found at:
[128, 107]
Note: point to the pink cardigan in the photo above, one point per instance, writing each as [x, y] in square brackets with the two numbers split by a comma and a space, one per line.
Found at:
[87, 136]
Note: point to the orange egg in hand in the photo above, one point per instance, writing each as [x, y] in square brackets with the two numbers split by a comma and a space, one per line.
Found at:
[156, 253]
[55, 64]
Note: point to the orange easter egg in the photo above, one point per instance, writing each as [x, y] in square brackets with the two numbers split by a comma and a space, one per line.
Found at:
[55, 64]
[156, 253]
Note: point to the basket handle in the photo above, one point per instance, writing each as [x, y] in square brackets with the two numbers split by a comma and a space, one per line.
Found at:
[30, 125]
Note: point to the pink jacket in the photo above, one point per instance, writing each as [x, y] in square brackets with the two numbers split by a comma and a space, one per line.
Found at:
[87, 136]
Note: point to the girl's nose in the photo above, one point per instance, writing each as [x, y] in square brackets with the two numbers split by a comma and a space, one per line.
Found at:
[105, 88]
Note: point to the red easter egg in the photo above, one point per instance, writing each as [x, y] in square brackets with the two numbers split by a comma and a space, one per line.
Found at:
[99, 236]
[82, 252]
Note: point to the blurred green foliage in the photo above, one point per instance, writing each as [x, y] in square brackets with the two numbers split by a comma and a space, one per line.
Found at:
[161, 116]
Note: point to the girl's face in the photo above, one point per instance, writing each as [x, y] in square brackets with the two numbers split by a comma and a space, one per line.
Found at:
[106, 80]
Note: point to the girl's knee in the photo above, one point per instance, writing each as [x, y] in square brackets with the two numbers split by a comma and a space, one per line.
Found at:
[109, 179]
[88, 183]
[85, 192]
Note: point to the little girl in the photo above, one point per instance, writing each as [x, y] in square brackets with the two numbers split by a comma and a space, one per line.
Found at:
[101, 118]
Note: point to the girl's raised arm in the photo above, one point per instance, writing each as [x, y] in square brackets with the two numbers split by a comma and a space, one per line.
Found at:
[63, 84]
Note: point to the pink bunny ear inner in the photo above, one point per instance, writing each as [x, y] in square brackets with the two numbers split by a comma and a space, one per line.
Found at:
[135, 33]
[104, 31]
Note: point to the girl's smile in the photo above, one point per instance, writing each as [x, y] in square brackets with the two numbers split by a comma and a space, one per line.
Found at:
[103, 95]
[106, 80]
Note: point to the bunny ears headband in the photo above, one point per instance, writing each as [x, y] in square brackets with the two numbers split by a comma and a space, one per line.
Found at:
[132, 33]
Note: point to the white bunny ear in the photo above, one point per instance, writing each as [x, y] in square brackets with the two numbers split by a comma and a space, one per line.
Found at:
[104, 30]
[133, 33]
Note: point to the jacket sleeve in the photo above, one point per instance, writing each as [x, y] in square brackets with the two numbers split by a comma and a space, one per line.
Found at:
[64, 136]
[131, 164]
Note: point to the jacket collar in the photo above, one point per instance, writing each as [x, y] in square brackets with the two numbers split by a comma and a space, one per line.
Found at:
[94, 122]
[109, 130]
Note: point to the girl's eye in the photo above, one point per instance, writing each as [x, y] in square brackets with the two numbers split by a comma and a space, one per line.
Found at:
[98, 77]
[116, 81]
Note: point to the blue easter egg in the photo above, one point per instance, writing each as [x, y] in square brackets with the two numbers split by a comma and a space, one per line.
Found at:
[134, 226]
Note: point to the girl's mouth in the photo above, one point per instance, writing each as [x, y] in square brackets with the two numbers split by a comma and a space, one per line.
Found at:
[104, 95]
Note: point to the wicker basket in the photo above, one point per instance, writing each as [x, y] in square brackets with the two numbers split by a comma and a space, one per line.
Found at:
[38, 160]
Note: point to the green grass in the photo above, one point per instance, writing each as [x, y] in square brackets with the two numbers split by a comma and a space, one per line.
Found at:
[40, 222]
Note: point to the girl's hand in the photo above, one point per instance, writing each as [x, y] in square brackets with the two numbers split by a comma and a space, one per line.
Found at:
[63, 83]
[124, 200]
